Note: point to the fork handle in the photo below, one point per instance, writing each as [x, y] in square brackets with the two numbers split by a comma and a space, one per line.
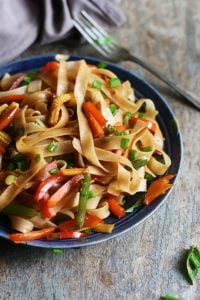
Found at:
[185, 95]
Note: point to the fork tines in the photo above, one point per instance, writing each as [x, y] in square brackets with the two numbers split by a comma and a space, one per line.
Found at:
[93, 33]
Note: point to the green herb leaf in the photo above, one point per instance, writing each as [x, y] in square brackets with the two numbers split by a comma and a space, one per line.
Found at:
[10, 179]
[52, 147]
[126, 118]
[114, 82]
[133, 154]
[146, 149]
[57, 251]
[148, 177]
[102, 65]
[104, 41]
[137, 204]
[19, 210]
[113, 109]
[53, 171]
[169, 297]
[193, 263]
[90, 195]
[140, 115]
[124, 143]
[97, 84]
[139, 163]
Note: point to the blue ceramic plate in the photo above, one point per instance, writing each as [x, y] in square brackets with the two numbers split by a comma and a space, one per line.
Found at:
[173, 146]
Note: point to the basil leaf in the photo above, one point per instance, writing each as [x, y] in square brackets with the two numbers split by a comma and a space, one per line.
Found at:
[193, 263]
[169, 297]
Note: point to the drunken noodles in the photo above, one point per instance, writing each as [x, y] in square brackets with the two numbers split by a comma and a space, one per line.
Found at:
[74, 144]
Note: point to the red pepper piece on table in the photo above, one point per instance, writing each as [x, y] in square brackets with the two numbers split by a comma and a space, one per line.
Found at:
[9, 115]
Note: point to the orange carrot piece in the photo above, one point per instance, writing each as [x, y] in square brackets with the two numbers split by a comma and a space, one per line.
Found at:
[72, 172]
[95, 127]
[90, 107]
[114, 206]
[158, 188]
[11, 98]
[30, 236]
[50, 67]
[120, 126]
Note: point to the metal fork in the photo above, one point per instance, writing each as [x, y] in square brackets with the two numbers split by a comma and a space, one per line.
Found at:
[94, 34]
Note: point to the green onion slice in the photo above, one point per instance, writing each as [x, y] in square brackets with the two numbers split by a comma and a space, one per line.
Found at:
[113, 108]
[97, 84]
[124, 143]
[102, 65]
[52, 147]
[139, 163]
[114, 82]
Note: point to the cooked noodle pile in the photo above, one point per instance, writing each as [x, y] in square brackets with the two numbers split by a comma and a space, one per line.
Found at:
[74, 142]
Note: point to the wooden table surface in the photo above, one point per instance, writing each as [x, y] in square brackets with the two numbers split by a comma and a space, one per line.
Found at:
[146, 262]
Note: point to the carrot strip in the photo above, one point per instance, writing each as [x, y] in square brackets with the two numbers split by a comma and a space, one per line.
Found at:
[50, 67]
[114, 206]
[30, 236]
[88, 106]
[72, 172]
[120, 126]
[158, 188]
[95, 127]
[11, 98]
[9, 115]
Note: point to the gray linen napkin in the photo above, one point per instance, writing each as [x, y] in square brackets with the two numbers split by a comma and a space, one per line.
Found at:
[22, 22]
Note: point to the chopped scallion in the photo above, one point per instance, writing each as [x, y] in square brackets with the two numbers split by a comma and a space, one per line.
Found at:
[146, 149]
[102, 65]
[126, 118]
[140, 115]
[104, 41]
[97, 84]
[148, 177]
[133, 154]
[90, 194]
[52, 147]
[124, 143]
[10, 179]
[114, 82]
[139, 163]
[57, 251]
[113, 109]
[169, 297]
[53, 171]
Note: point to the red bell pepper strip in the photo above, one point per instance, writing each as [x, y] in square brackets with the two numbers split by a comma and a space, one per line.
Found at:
[11, 98]
[50, 66]
[158, 188]
[17, 82]
[47, 184]
[151, 125]
[9, 115]
[89, 222]
[30, 236]
[44, 172]
[114, 206]
[70, 234]
[63, 190]
[91, 108]
[45, 210]
[2, 149]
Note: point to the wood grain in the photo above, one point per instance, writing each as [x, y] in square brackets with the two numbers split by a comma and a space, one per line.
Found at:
[146, 262]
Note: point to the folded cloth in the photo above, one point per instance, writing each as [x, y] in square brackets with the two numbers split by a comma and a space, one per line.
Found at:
[22, 22]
